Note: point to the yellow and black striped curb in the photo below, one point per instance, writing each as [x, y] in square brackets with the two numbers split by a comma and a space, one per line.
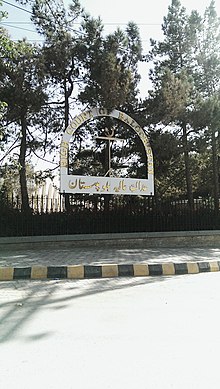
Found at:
[106, 270]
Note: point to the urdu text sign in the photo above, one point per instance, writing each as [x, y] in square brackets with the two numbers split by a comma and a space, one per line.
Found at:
[106, 185]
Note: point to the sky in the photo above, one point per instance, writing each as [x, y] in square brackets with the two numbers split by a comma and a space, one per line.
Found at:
[115, 13]
[148, 15]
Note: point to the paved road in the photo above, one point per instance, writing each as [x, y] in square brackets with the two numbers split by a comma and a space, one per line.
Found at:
[121, 333]
[95, 256]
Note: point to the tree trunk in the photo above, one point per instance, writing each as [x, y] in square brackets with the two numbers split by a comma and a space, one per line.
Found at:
[107, 197]
[22, 161]
[66, 108]
[187, 167]
[66, 118]
[215, 170]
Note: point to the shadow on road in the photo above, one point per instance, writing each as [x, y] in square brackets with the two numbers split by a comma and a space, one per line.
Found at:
[37, 295]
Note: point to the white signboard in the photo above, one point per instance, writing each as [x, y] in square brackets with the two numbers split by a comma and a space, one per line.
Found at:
[105, 185]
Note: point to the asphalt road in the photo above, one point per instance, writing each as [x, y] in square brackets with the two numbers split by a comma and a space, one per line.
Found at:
[121, 333]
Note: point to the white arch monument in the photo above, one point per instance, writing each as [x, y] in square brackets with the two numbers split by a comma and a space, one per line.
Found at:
[105, 185]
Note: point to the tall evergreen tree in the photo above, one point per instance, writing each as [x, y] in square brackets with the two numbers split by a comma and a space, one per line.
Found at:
[174, 97]
[110, 64]
[22, 88]
[207, 80]
[4, 44]
[61, 47]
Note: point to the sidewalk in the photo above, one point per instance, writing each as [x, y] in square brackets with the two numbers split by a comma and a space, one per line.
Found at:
[105, 255]
[42, 258]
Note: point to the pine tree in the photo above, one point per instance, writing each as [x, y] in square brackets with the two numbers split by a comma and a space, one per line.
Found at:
[110, 64]
[23, 90]
[207, 80]
[174, 97]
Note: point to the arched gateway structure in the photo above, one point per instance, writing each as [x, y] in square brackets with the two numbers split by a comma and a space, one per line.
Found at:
[105, 185]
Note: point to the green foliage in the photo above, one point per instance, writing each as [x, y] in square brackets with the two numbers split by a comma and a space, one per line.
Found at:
[185, 79]
[22, 84]
[10, 180]
[168, 163]
[111, 65]
[89, 151]
[80, 66]
[5, 46]
[172, 99]
[23, 88]
[207, 71]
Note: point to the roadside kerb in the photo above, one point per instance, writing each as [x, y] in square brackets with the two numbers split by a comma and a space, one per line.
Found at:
[210, 238]
[106, 270]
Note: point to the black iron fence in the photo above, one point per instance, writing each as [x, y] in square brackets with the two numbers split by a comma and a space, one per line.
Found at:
[94, 214]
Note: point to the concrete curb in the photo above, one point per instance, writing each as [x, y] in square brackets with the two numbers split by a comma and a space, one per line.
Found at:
[106, 270]
[141, 239]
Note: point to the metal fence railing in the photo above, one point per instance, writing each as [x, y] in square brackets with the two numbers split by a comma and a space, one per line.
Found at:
[96, 214]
